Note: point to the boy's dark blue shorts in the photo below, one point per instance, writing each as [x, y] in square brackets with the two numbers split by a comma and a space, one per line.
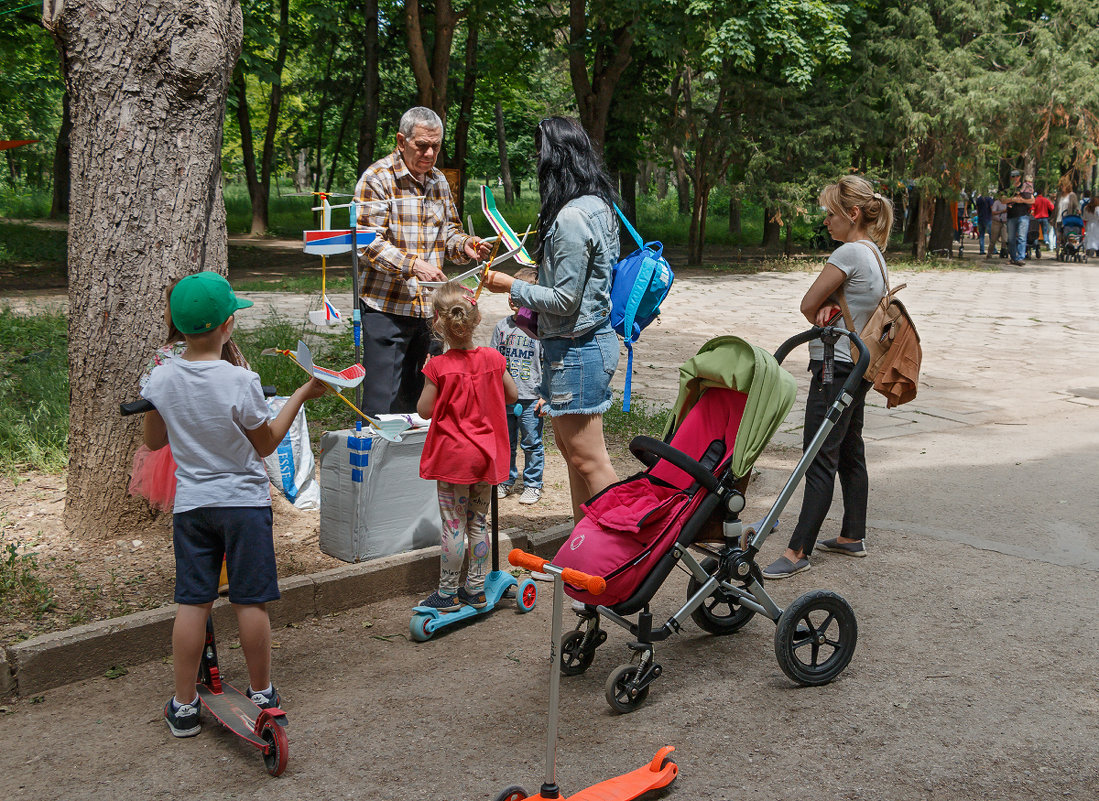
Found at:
[243, 535]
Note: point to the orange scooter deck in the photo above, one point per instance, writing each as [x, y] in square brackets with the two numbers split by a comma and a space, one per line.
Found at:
[659, 773]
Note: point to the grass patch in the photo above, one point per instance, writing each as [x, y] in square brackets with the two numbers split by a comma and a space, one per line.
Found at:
[22, 590]
[643, 418]
[34, 392]
[26, 204]
[26, 244]
[298, 284]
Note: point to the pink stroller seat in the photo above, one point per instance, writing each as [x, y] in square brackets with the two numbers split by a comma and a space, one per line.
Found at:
[630, 525]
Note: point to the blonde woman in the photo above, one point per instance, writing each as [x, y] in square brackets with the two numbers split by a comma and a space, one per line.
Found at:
[861, 219]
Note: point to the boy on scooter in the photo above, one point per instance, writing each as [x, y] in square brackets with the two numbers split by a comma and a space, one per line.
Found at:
[215, 417]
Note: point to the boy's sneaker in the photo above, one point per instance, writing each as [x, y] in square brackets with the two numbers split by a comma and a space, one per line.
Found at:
[475, 599]
[265, 700]
[503, 490]
[443, 603]
[847, 548]
[184, 721]
[531, 495]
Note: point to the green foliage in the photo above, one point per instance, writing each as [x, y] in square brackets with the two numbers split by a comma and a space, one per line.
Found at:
[22, 244]
[22, 590]
[34, 392]
[643, 418]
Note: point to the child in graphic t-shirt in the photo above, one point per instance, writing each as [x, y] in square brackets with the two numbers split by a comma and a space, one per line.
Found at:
[525, 420]
[465, 394]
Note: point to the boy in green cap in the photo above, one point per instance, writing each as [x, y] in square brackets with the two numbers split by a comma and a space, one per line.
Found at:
[216, 419]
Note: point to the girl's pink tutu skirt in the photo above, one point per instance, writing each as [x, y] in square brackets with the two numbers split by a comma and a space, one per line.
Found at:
[154, 477]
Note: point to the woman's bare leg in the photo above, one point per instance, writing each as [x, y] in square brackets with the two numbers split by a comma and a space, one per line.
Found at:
[580, 439]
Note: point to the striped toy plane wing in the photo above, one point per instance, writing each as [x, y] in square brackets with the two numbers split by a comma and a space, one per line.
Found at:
[330, 243]
[500, 225]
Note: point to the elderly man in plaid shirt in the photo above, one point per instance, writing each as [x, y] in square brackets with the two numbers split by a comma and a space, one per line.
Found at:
[406, 202]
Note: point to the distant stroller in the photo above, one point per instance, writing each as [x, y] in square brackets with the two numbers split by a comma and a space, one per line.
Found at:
[732, 398]
[1070, 240]
[1034, 238]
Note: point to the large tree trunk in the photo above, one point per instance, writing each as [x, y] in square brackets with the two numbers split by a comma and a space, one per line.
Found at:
[60, 204]
[368, 123]
[923, 217]
[465, 113]
[431, 72]
[942, 228]
[682, 182]
[594, 93]
[502, 148]
[734, 215]
[260, 215]
[247, 146]
[772, 229]
[147, 84]
[912, 227]
[696, 237]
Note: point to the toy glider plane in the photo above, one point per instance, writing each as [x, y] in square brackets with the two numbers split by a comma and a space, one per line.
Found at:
[511, 240]
[326, 242]
[344, 379]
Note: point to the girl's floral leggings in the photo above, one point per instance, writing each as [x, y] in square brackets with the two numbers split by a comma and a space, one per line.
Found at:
[464, 510]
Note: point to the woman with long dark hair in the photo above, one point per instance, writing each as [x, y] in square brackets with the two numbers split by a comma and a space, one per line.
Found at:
[577, 249]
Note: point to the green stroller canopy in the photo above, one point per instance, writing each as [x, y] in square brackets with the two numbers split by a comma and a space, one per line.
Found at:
[732, 363]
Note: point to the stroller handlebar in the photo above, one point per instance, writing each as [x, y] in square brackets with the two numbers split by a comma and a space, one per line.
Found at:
[817, 332]
[593, 584]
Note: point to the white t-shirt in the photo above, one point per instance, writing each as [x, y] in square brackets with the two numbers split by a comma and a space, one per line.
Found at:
[863, 288]
[207, 406]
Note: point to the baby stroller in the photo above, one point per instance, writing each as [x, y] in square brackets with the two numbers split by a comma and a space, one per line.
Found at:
[732, 397]
[1034, 238]
[1070, 242]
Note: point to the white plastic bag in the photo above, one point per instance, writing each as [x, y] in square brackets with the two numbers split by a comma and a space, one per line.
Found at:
[291, 467]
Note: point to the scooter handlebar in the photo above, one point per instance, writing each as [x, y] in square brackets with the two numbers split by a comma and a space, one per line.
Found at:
[593, 584]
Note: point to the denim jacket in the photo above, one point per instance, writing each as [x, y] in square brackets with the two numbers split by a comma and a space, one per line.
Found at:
[569, 301]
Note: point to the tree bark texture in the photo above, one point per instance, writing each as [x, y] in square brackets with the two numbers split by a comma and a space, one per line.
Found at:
[735, 226]
[594, 94]
[465, 113]
[147, 83]
[772, 228]
[682, 182]
[431, 72]
[368, 124]
[247, 146]
[942, 228]
[502, 148]
[60, 203]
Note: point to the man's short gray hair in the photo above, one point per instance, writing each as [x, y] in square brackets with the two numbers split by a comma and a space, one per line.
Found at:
[422, 116]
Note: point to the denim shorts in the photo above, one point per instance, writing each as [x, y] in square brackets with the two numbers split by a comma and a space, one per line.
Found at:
[577, 372]
[242, 534]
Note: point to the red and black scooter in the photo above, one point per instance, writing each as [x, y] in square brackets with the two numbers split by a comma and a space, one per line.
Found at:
[264, 729]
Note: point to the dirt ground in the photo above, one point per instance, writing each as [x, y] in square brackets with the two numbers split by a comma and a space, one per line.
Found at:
[973, 678]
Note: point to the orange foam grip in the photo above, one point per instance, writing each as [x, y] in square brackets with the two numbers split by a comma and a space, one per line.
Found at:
[593, 584]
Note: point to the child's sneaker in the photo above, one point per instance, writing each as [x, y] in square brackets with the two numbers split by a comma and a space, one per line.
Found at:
[184, 721]
[269, 700]
[443, 603]
[503, 490]
[531, 495]
[475, 599]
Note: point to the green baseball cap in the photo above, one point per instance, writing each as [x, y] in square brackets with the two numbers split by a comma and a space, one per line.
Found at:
[203, 301]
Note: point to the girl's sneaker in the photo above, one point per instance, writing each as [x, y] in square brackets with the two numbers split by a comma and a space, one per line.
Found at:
[443, 603]
[184, 720]
[475, 599]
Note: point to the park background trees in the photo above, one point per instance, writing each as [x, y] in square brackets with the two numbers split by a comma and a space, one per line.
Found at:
[759, 103]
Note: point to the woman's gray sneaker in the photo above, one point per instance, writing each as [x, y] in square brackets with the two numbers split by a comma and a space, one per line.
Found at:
[783, 568]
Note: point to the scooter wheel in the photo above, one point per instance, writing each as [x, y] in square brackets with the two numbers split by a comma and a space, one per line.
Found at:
[617, 690]
[513, 793]
[527, 596]
[278, 748]
[417, 627]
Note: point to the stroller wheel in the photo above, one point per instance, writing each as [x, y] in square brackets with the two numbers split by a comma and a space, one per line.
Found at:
[575, 659]
[815, 638]
[618, 690]
[721, 613]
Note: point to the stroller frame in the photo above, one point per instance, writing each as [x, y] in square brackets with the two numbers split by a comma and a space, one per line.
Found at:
[728, 575]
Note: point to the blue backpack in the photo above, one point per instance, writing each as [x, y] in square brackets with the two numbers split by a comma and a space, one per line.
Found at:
[639, 285]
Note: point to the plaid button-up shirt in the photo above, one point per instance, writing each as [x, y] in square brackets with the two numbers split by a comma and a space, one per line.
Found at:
[410, 220]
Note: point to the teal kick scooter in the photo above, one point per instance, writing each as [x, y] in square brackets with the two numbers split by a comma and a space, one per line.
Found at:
[499, 584]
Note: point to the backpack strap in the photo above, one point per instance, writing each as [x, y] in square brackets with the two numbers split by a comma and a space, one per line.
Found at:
[848, 318]
[636, 236]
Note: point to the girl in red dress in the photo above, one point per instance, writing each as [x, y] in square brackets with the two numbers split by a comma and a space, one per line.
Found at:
[467, 450]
